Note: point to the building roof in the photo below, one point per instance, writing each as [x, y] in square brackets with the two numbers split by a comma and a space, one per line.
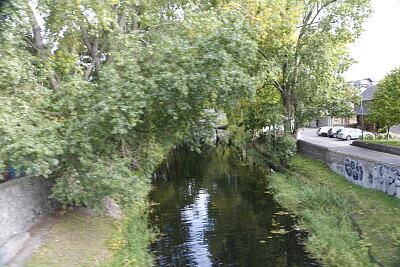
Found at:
[364, 83]
[368, 94]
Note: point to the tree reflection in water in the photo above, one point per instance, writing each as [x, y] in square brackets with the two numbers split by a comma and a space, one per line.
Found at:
[214, 211]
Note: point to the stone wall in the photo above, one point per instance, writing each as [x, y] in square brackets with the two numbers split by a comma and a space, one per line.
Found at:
[364, 172]
[23, 202]
[312, 150]
[395, 150]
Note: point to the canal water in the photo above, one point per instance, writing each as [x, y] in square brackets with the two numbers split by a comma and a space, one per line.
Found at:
[212, 209]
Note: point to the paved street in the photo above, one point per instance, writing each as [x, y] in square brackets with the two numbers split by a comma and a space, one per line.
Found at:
[310, 135]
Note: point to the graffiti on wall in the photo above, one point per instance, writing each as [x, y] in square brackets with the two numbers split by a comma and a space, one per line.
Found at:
[354, 169]
[387, 179]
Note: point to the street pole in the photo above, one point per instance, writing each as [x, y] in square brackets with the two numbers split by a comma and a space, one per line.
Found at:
[362, 121]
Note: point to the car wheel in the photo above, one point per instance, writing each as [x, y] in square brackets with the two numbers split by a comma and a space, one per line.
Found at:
[348, 138]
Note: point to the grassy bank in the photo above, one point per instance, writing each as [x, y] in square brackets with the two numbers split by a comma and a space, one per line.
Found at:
[73, 238]
[76, 238]
[385, 142]
[83, 237]
[349, 225]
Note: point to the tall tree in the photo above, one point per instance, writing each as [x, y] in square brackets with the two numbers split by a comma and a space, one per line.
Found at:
[304, 47]
[386, 102]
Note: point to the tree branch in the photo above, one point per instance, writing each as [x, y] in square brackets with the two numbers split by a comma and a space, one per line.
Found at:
[162, 24]
[86, 40]
[38, 44]
[31, 44]
[88, 71]
[243, 11]
[278, 86]
[264, 56]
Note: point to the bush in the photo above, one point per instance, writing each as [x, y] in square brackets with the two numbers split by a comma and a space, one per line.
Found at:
[239, 136]
[276, 148]
[382, 130]
[382, 136]
[368, 137]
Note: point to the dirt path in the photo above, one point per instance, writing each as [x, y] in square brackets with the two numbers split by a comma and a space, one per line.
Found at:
[59, 239]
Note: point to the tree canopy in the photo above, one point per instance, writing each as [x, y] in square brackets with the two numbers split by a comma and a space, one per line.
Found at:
[91, 91]
[386, 101]
[303, 47]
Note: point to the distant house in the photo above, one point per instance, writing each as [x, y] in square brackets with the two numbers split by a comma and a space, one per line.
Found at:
[363, 84]
[333, 121]
[364, 107]
[366, 88]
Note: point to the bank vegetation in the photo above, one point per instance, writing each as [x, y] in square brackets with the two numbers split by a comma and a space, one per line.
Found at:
[348, 225]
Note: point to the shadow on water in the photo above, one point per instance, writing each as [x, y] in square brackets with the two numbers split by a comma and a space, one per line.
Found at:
[215, 210]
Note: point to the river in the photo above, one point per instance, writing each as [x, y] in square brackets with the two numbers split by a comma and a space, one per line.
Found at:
[212, 209]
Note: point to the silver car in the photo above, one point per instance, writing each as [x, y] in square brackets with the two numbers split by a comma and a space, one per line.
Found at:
[348, 134]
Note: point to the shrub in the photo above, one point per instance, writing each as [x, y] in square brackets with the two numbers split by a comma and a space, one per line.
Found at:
[382, 136]
[392, 136]
[277, 148]
[382, 130]
[239, 136]
[368, 137]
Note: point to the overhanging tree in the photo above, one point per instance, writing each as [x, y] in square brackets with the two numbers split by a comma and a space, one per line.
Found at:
[95, 87]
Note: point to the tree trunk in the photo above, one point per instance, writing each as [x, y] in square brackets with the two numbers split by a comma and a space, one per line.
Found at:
[94, 51]
[387, 132]
[287, 97]
[38, 44]
[288, 108]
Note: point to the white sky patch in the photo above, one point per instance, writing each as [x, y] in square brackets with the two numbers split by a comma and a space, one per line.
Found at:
[377, 51]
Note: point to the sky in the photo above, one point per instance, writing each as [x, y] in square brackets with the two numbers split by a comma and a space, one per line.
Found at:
[378, 49]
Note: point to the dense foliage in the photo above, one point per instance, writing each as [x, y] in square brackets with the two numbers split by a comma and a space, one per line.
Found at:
[93, 92]
[386, 102]
[303, 52]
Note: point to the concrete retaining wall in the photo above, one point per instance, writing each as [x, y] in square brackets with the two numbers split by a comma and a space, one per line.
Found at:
[364, 172]
[23, 202]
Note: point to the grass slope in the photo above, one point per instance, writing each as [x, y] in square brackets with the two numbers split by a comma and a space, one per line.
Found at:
[76, 238]
[79, 238]
[385, 142]
[349, 225]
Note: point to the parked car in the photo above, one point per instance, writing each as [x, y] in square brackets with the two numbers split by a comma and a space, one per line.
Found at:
[349, 134]
[323, 131]
[332, 132]
[338, 131]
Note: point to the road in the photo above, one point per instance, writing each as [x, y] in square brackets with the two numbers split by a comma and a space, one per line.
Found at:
[310, 135]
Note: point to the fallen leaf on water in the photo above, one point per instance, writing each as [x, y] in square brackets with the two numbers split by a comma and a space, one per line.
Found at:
[280, 231]
[282, 213]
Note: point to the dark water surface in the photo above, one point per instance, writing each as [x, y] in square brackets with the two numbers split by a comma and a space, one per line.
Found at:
[215, 210]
